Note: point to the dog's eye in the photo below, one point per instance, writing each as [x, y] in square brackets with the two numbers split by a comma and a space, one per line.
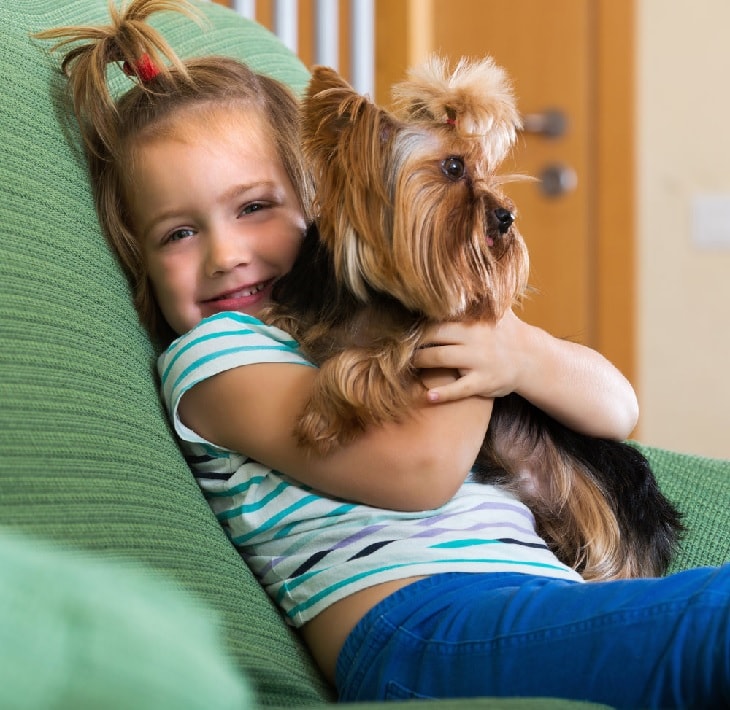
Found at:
[453, 167]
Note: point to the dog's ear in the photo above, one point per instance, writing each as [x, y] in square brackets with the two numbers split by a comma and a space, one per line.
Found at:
[328, 107]
[323, 79]
[331, 106]
[345, 138]
[475, 100]
[341, 126]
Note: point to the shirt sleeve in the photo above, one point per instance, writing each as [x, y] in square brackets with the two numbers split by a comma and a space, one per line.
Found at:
[221, 342]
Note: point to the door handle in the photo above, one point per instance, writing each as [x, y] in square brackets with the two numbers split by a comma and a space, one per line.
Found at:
[557, 179]
[551, 123]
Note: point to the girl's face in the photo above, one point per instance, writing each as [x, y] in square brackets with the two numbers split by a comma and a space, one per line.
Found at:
[216, 214]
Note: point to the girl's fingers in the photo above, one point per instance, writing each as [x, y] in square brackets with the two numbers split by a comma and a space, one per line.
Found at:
[459, 389]
[427, 357]
[442, 356]
[443, 334]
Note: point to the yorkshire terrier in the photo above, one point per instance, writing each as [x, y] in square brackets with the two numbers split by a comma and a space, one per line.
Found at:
[413, 228]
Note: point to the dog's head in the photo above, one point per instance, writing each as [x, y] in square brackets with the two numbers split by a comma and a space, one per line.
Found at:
[409, 201]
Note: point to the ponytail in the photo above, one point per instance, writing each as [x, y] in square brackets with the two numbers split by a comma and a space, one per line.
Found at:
[128, 41]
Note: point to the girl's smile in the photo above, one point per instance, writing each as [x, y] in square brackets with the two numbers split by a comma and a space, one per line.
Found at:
[244, 299]
[218, 217]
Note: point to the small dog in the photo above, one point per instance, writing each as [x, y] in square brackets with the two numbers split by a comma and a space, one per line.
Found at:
[413, 228]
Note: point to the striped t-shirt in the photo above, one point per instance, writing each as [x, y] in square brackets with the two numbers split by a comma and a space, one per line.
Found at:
[308, 550]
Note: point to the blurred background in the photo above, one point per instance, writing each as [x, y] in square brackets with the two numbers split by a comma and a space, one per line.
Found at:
[628, 225]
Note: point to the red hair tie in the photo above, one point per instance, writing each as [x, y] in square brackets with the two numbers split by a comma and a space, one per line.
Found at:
[144, 68]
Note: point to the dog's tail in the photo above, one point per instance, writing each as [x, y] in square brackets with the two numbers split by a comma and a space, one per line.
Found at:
[596, 501]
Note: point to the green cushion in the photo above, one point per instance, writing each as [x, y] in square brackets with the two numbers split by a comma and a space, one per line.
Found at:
[86, 455]
[76, 632]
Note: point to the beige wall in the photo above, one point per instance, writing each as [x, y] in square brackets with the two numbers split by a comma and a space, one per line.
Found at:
[683, 151]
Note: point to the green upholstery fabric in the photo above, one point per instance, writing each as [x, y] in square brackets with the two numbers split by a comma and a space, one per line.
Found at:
[107, 636]
[86, 456]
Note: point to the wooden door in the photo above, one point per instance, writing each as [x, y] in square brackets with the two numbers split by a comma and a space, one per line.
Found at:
[573, 56]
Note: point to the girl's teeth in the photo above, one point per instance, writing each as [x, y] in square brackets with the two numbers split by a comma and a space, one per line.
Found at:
[252, 291]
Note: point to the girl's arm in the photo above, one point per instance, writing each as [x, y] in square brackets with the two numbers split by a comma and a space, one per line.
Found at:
[569, 381]
[417, 464]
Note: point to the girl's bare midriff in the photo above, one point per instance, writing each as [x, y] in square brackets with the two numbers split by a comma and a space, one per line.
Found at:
[326, 633]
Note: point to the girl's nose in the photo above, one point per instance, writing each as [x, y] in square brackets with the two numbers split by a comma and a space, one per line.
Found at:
[225, 251]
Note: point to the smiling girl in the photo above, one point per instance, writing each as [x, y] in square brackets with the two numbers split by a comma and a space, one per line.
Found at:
[211, 195]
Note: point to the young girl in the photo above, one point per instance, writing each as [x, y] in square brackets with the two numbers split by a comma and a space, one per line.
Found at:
[405, 578]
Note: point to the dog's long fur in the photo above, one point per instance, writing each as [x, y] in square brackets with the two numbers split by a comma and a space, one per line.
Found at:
[413, 228]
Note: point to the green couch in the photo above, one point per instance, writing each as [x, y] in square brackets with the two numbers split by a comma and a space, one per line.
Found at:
[117, 586]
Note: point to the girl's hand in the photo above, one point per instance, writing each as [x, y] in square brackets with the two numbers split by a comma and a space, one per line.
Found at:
[486, 356]
[569, 381]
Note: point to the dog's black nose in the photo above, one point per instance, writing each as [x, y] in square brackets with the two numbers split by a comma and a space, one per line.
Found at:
[505, 219]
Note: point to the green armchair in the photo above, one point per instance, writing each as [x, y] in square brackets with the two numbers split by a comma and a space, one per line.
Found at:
[117, 586]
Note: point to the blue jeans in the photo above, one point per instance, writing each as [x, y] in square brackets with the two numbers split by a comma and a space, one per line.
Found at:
[641, 643]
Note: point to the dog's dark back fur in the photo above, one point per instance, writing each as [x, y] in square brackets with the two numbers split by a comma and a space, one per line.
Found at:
[526, 450]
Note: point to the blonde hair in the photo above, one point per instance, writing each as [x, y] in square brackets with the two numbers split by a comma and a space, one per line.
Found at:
[110, 128]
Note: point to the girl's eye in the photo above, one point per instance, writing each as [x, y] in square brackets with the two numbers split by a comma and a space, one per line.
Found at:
[178, 234]
[252, 207]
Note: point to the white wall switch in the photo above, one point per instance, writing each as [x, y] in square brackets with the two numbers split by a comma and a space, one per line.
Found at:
[711, 221]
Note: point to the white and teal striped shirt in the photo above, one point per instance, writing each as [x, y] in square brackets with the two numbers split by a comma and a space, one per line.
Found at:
[309, 551]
